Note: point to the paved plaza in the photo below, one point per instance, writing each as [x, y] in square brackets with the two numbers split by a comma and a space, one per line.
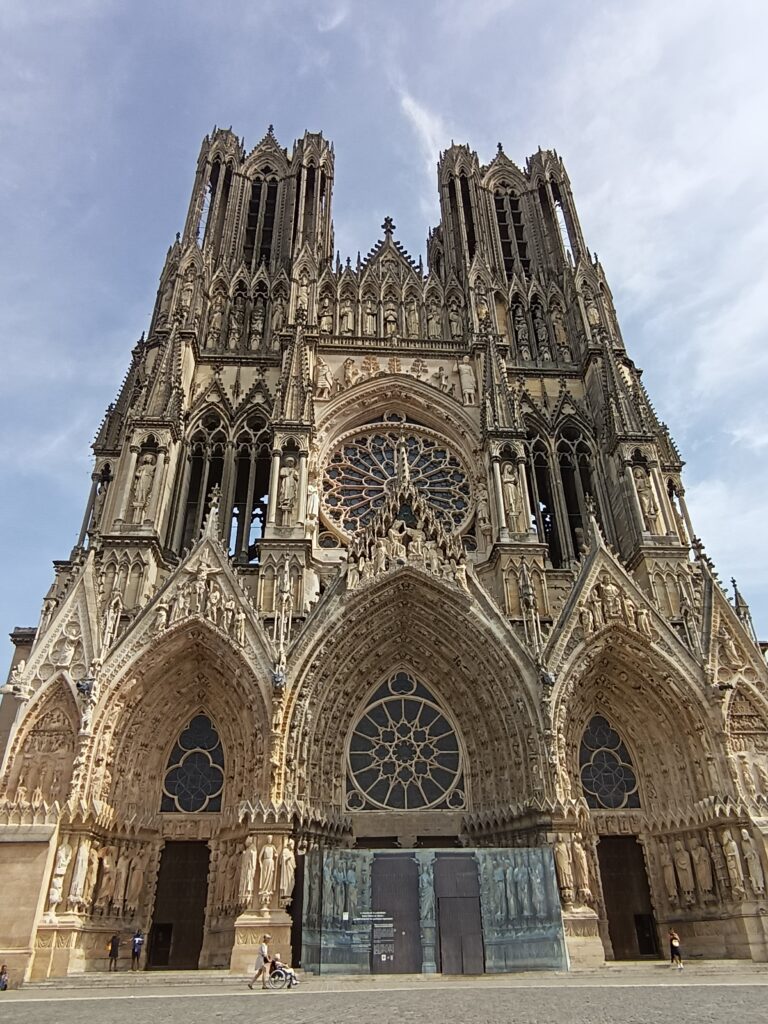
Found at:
[646, 997]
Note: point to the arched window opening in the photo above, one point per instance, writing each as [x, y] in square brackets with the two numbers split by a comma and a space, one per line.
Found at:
[575, 462]
[562, 221]
[208, 197]
[260, 221]
[540, 492]
[509, 219]
[194, 776]
[309, 205]
[455, 229]
[222, 210]
[249, 505]
[404, 753]
[207, 450]
[551, 230]
[297, 204]
[608, 777]
[469, 218]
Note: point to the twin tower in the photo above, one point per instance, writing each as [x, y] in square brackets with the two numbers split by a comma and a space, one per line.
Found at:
[383, 556]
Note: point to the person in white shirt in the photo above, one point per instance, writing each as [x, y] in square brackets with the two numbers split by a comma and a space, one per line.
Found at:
[262, 963]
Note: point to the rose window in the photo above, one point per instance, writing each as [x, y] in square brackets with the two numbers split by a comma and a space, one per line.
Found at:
[358, 473]
[404, 754]
[194, 778]
[607, 774]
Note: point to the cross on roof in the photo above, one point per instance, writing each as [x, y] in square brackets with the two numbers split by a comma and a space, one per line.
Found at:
[388, 227]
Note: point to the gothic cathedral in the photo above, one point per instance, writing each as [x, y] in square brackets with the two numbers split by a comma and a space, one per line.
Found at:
[386, 608]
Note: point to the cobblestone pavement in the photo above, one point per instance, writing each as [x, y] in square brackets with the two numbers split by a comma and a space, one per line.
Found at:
[677, 999]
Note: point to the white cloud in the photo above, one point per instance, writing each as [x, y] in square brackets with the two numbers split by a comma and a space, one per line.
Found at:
[332, 14]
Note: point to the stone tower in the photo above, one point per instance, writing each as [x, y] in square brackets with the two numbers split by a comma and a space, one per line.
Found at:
[377, 555]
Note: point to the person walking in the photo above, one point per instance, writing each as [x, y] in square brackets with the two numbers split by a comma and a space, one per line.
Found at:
[262, 963]
[675, 950]
[137, 943]
[114, 951]
[3, 978]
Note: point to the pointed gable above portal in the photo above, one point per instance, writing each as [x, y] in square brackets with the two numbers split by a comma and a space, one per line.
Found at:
[389, 259]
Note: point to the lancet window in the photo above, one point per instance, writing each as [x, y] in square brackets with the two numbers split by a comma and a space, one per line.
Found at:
[608, 776]
[260, 221]
[251, 488]
[207, 451]
[194, 776]
[560, 484]
[404, 753]
[509, 219]
[575, 462]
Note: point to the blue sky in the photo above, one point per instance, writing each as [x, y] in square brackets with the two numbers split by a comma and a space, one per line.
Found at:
[657, 108]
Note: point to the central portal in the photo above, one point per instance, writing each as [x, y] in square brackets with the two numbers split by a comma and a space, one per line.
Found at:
[176, 937]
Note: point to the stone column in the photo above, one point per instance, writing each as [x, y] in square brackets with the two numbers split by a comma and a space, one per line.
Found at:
[127, 484]
[302, 495]
[88, 509]
[157, 485]
[501, 512]
[274, 480]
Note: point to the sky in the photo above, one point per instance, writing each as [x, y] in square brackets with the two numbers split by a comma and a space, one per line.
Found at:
[658, 110]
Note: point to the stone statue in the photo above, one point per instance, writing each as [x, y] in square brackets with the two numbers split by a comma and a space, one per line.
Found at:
[411, 319]
[702, 867]
[287, 870]
[112, 622]
[277, 322]
[611, 598]
[668, 873]
[240, 627]
[467, 381]
[587, 619]
[510, 490]
[644, 622]
[79, 874]
[351, 372]
[542, 335]
[455, 319]
[215, 321]
[142, 486]
[684, 871]
[752, 860]
[390, 321]
[346, 317]
[313, 503]
[302, 301]
[581, 871]
[564, 871]
[326, 316]
[561, 336]
[733, 864]
[248, 863]
[324, 379]
[63, 857]
[136, 881]
[267, 865]
[187, 288]
[729, 653]
[258, 320]
[481, 305]
[287, 490]
[369, 317]
[434, 327]
[236, 321]
[107, 885]
[522, 337]
[121, 877]
[483, 515]
[647, 499]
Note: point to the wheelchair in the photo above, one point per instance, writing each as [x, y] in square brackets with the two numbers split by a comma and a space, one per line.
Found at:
[278, 978]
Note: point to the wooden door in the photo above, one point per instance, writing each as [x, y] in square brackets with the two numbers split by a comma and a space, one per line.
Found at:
[396, 945]
[460, 928]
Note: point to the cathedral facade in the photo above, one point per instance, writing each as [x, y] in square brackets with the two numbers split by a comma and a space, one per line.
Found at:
[382, 559]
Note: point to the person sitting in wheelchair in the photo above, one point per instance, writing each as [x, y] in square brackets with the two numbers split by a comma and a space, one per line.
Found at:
[290, 974]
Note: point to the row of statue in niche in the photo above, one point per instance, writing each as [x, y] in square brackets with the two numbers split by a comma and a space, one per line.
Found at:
[532, 338]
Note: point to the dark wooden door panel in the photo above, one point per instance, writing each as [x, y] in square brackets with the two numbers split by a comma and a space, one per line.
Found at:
[395, 892]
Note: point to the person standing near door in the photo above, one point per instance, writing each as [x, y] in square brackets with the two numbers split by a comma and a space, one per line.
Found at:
[675, 950]
[262, 963]
[137, 943]
[114, 951]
